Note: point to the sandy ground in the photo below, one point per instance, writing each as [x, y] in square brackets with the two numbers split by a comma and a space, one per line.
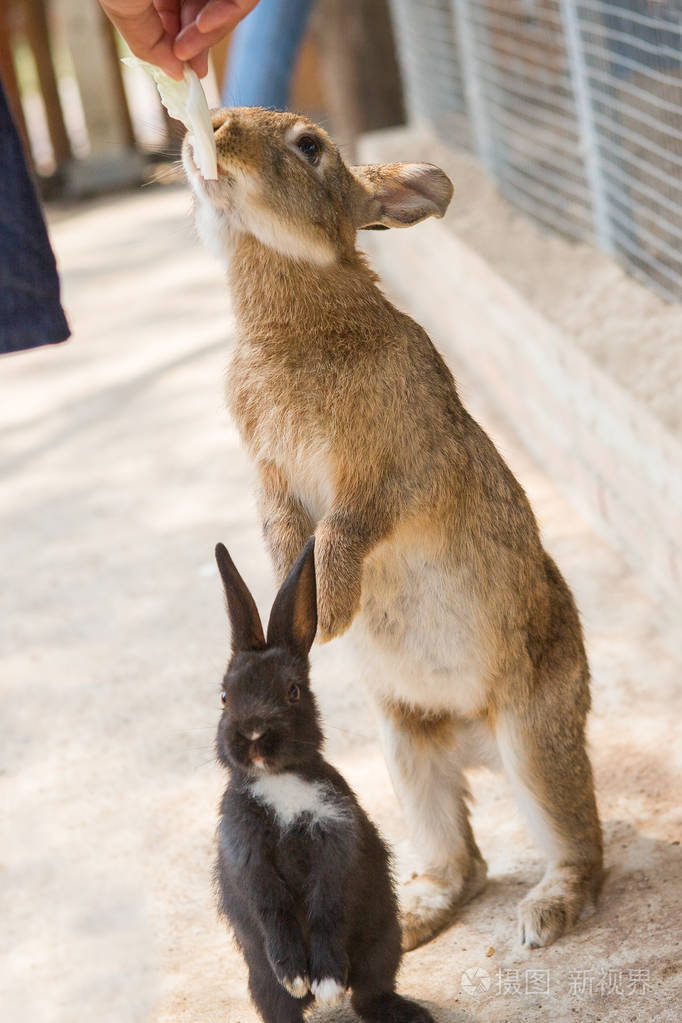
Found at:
[120, 471]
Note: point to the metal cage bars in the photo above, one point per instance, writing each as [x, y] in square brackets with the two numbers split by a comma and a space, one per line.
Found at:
[573, 106]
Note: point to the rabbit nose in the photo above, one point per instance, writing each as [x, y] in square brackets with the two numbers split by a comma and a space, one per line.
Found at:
[254, 734]
[255, 753]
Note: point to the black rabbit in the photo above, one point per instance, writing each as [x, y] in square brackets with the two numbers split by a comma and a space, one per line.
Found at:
[302, 874]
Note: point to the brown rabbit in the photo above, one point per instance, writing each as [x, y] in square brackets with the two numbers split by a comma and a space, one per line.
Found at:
[470, 635]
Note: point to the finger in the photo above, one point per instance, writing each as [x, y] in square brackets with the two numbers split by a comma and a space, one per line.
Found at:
[189, 12]
[169, 13]
[191, 42]
[147, 39]
[223, 14]
[200, 64]
[163, 56]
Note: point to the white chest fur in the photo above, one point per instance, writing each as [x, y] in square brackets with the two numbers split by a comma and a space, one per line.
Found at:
[310, 478]
[290, 797]
[306, 463]
[282, 425]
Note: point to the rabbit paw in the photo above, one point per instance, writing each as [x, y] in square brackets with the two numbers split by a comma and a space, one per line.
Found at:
[338, 571]
[429, 904]
[553, 907]
[329, 972]
[291, 971]
[298, 987]
[330, 626]
[336, 609]
[327, 991]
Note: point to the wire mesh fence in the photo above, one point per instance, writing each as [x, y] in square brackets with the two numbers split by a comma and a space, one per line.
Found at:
[574, 107]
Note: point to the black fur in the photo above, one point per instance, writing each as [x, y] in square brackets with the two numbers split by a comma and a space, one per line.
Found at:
[312, 898]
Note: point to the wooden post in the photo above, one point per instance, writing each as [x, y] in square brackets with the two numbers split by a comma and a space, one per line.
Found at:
[119, 88]
[359, 67]
[113, 161]
[38, 34]
[9, 80]
[307, 93]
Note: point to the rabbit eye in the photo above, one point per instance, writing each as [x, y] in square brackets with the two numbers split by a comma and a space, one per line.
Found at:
[310, 148]
[223, 697]
[294, 693]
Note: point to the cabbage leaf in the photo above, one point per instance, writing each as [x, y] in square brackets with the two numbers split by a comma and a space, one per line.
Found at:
[186, 101]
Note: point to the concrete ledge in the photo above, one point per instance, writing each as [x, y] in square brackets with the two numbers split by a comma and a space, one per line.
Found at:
[603, 448]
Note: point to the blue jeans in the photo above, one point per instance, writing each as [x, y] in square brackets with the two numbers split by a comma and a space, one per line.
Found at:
[30, 311]
[263, 53]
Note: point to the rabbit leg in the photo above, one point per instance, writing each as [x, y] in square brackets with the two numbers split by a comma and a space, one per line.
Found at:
[286, 523]
[273, 1001]
[425, 765]
[276, 1002]
[372, 979]
[343, 538]
[332, 851]
[545, 758]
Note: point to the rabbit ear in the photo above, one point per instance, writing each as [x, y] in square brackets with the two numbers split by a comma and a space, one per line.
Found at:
[247, 631]
[399, 194]
[293, 619]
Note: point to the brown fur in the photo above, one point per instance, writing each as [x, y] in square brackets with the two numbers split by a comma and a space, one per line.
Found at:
[359, 435]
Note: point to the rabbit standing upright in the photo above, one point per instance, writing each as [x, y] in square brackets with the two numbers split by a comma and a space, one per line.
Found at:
[469, 636]
[302, 873]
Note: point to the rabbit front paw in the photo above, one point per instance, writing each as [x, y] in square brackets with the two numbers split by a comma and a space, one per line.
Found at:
[327, 991]
[338, 572]
[330, 625]
[329, 972]
[298, 987]
[291, 970]
[336, 609]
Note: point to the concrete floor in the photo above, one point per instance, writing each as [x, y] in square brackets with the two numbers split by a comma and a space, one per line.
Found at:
[120, 471]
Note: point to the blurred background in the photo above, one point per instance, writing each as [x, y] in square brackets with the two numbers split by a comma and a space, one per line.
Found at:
[90, 124]
[574, 107]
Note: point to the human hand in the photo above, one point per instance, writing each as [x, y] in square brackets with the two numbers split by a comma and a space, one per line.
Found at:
[204, 23]
[149, 28]
[169, 32]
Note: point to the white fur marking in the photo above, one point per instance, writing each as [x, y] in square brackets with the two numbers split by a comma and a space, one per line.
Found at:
[541, 826]
[307, 243]
[290, 797]
[298, 987]
[327, 991]
[213, 227]
[308, 466]
[431, 788]
[429, 649]
[222, 211]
